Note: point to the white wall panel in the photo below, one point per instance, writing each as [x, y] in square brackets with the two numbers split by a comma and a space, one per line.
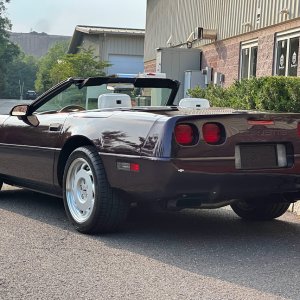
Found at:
[114, 44]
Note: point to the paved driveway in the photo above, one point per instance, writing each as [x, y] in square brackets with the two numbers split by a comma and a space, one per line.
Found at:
[7, 104]
[187, 255]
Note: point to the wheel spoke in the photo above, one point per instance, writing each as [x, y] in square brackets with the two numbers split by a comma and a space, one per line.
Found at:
[80, 190]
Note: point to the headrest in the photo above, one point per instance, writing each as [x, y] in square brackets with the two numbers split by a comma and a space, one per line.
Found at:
[196, 103]
[113, 100]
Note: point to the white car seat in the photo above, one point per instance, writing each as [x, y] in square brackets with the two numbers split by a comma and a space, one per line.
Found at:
[196, 103]
[113, 100]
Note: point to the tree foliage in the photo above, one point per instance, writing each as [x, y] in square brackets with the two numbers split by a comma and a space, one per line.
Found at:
[8, 50]
[46, 63]
[57, 65]
[21, 72]
[275, 93]
[82, 64]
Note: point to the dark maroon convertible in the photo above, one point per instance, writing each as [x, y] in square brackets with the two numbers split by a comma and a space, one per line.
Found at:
[104, 143]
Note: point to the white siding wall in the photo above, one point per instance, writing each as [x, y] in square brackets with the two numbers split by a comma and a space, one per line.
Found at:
[180, 17]
[130, 48]
[114, 44]
[125, 45]
[91, 41]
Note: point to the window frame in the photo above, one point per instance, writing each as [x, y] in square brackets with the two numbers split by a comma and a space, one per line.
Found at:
[247, 45]
[281, 36]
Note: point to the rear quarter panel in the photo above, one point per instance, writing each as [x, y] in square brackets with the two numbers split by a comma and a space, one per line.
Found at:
[112, 132]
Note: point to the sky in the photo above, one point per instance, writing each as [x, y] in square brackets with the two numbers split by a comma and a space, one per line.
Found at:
[60, 17]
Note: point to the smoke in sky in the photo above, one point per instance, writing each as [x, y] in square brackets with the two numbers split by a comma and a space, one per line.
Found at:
[42, 25]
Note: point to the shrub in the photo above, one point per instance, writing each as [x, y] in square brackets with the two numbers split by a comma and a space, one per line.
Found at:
[276, 93]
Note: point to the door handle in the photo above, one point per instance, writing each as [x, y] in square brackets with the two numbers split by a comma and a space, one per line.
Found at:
[55, 127]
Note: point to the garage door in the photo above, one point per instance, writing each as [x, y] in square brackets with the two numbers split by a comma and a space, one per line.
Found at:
[128, 64]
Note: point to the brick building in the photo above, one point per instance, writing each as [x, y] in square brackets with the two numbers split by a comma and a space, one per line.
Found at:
[245, 37]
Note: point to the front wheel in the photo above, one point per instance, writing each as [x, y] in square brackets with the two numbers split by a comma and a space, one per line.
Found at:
[262, 211]
[90, 203]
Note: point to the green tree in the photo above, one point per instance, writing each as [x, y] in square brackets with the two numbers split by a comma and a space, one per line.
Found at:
[21, 71]
[46, 63]
[57, 65]
[8, 50]
[82, 64]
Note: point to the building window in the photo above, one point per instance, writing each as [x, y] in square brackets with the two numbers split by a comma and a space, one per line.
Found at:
[248, 59]
[287, 49]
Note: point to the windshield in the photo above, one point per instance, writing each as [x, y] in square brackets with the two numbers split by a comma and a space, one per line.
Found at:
[112, 95]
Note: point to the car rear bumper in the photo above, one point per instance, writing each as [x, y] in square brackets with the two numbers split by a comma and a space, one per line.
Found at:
[214, 181]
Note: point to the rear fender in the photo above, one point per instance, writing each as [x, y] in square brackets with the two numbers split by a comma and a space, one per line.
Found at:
[160, 138]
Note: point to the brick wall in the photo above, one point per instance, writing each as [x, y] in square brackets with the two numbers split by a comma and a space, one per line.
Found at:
[150, 66]
[224, 56]
[265, 55]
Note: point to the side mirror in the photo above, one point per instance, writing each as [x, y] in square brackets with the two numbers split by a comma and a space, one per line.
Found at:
[32, 120]
[22, 112]
[19, 110]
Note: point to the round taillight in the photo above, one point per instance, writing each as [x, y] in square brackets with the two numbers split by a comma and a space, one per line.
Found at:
[212, 133]
[184, 134]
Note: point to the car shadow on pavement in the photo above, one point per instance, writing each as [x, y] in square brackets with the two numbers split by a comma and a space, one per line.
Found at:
[212, 243]
[36, 206]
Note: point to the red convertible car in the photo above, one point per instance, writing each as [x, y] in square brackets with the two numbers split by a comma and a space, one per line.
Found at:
[104, 143]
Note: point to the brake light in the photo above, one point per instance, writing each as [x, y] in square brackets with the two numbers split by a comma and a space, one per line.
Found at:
[184, 134]
[134, 167]
[260, 122]
[212, 133]
[128, 167]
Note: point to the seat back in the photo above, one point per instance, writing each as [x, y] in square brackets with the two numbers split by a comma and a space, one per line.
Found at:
[196, 103]
[113, 100]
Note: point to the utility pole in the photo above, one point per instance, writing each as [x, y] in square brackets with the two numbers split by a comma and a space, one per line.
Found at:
[21, 89]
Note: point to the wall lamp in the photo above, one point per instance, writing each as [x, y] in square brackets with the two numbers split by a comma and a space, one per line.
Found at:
[284, 11]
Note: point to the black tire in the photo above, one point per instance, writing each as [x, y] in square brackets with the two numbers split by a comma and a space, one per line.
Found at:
[108, 210]
[260, 211]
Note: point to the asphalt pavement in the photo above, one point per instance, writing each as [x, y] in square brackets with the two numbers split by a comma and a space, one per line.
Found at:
[204, 254]
[7, 104]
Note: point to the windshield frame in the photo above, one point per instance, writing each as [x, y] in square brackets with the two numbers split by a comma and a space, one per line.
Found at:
[173, 85]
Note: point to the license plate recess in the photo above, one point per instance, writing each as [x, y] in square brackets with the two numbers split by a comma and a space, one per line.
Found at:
[260, 156]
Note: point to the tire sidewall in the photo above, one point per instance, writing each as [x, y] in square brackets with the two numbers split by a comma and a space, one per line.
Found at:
[260, 211]
[91, 221]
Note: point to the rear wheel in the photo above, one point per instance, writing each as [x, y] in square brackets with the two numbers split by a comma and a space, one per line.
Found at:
[263, 210]
[90, 203]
